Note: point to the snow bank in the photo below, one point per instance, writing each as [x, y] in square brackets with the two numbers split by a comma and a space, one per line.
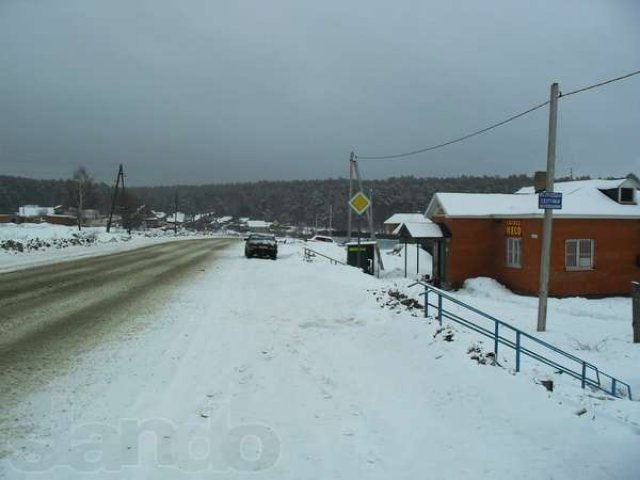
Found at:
[41, 236]
[30, 244]
[334, 377]
[597, 330]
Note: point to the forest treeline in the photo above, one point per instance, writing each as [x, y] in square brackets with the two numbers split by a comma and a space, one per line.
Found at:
[298, 202]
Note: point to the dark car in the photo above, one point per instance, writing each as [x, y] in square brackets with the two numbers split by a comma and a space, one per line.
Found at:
[261, 245]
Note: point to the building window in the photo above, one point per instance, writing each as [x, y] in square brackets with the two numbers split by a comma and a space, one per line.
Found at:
[626, 195]
[514, 252]
[579, 254]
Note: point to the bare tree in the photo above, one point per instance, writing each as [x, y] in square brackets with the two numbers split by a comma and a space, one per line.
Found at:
[83, 179]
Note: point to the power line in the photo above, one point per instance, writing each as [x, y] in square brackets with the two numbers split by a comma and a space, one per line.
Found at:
[495, 125]
[456, 140]
[596, 85]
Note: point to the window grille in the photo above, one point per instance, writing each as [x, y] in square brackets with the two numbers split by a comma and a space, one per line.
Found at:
[579, 254]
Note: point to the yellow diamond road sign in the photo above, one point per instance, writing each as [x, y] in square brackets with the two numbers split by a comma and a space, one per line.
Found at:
[359, 203]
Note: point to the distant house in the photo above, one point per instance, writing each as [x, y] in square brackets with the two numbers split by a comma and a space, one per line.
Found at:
[595, 238]
[202, 221]
[394, 221]
[258, 226]
[220, 222]
[145, 217]
[179, 216]
[35, 211]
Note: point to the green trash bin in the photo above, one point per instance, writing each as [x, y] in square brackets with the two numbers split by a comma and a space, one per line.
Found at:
[362, 255]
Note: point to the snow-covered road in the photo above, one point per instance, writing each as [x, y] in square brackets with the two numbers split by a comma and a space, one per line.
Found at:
[51, 314]
[293, 370]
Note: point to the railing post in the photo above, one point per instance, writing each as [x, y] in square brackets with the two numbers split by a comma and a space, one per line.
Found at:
[495, 341]
[440, 309]
[426, 302]
[635, 306]
[584, 374]
[517, 350]
[613, 387]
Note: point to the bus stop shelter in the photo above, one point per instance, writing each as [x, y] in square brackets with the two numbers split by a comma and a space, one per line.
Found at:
[418, 233]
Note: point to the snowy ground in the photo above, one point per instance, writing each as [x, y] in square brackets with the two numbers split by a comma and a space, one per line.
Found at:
[45, 243]
[292, 369]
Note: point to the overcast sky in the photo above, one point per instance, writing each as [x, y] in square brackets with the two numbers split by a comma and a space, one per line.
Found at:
[210, 91]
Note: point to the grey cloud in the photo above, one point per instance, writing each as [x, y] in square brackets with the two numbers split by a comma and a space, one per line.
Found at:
[211, 91]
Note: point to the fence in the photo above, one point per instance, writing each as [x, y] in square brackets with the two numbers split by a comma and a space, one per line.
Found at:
[521, 342]
[309, 253]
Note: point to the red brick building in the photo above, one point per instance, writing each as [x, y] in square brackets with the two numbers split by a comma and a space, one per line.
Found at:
[595, 246]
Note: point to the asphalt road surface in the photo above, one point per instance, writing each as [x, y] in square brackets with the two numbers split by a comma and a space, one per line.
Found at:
[49, 315]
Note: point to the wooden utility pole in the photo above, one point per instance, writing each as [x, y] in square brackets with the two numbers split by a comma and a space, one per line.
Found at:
[545, 258]
[119, 177]
[371, 212]
[635, 323]
[126, 213]
[349, 212]
[356, 170]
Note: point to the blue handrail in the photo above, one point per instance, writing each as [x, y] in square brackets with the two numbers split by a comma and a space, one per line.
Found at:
[503, 333]
[308, 253]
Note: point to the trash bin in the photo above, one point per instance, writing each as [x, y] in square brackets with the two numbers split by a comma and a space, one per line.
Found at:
[362, 255]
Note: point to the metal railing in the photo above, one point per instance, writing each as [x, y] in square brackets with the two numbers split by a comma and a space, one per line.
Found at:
[309, 253]
[521, 342]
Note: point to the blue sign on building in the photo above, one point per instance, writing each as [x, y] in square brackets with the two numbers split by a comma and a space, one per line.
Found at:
[550, 200]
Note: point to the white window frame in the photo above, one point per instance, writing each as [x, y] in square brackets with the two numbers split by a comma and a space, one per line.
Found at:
[579, 254]
[513, 252]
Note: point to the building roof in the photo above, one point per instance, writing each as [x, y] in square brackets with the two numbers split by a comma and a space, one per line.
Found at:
[258, 224]
[581, 199]
[35, 211]
[575, 185]
[419, 230]
[172, 218]
[397, 218]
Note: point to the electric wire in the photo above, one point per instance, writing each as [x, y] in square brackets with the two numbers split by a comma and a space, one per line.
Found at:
[455, 140]
[495, 125]
[596, 85]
